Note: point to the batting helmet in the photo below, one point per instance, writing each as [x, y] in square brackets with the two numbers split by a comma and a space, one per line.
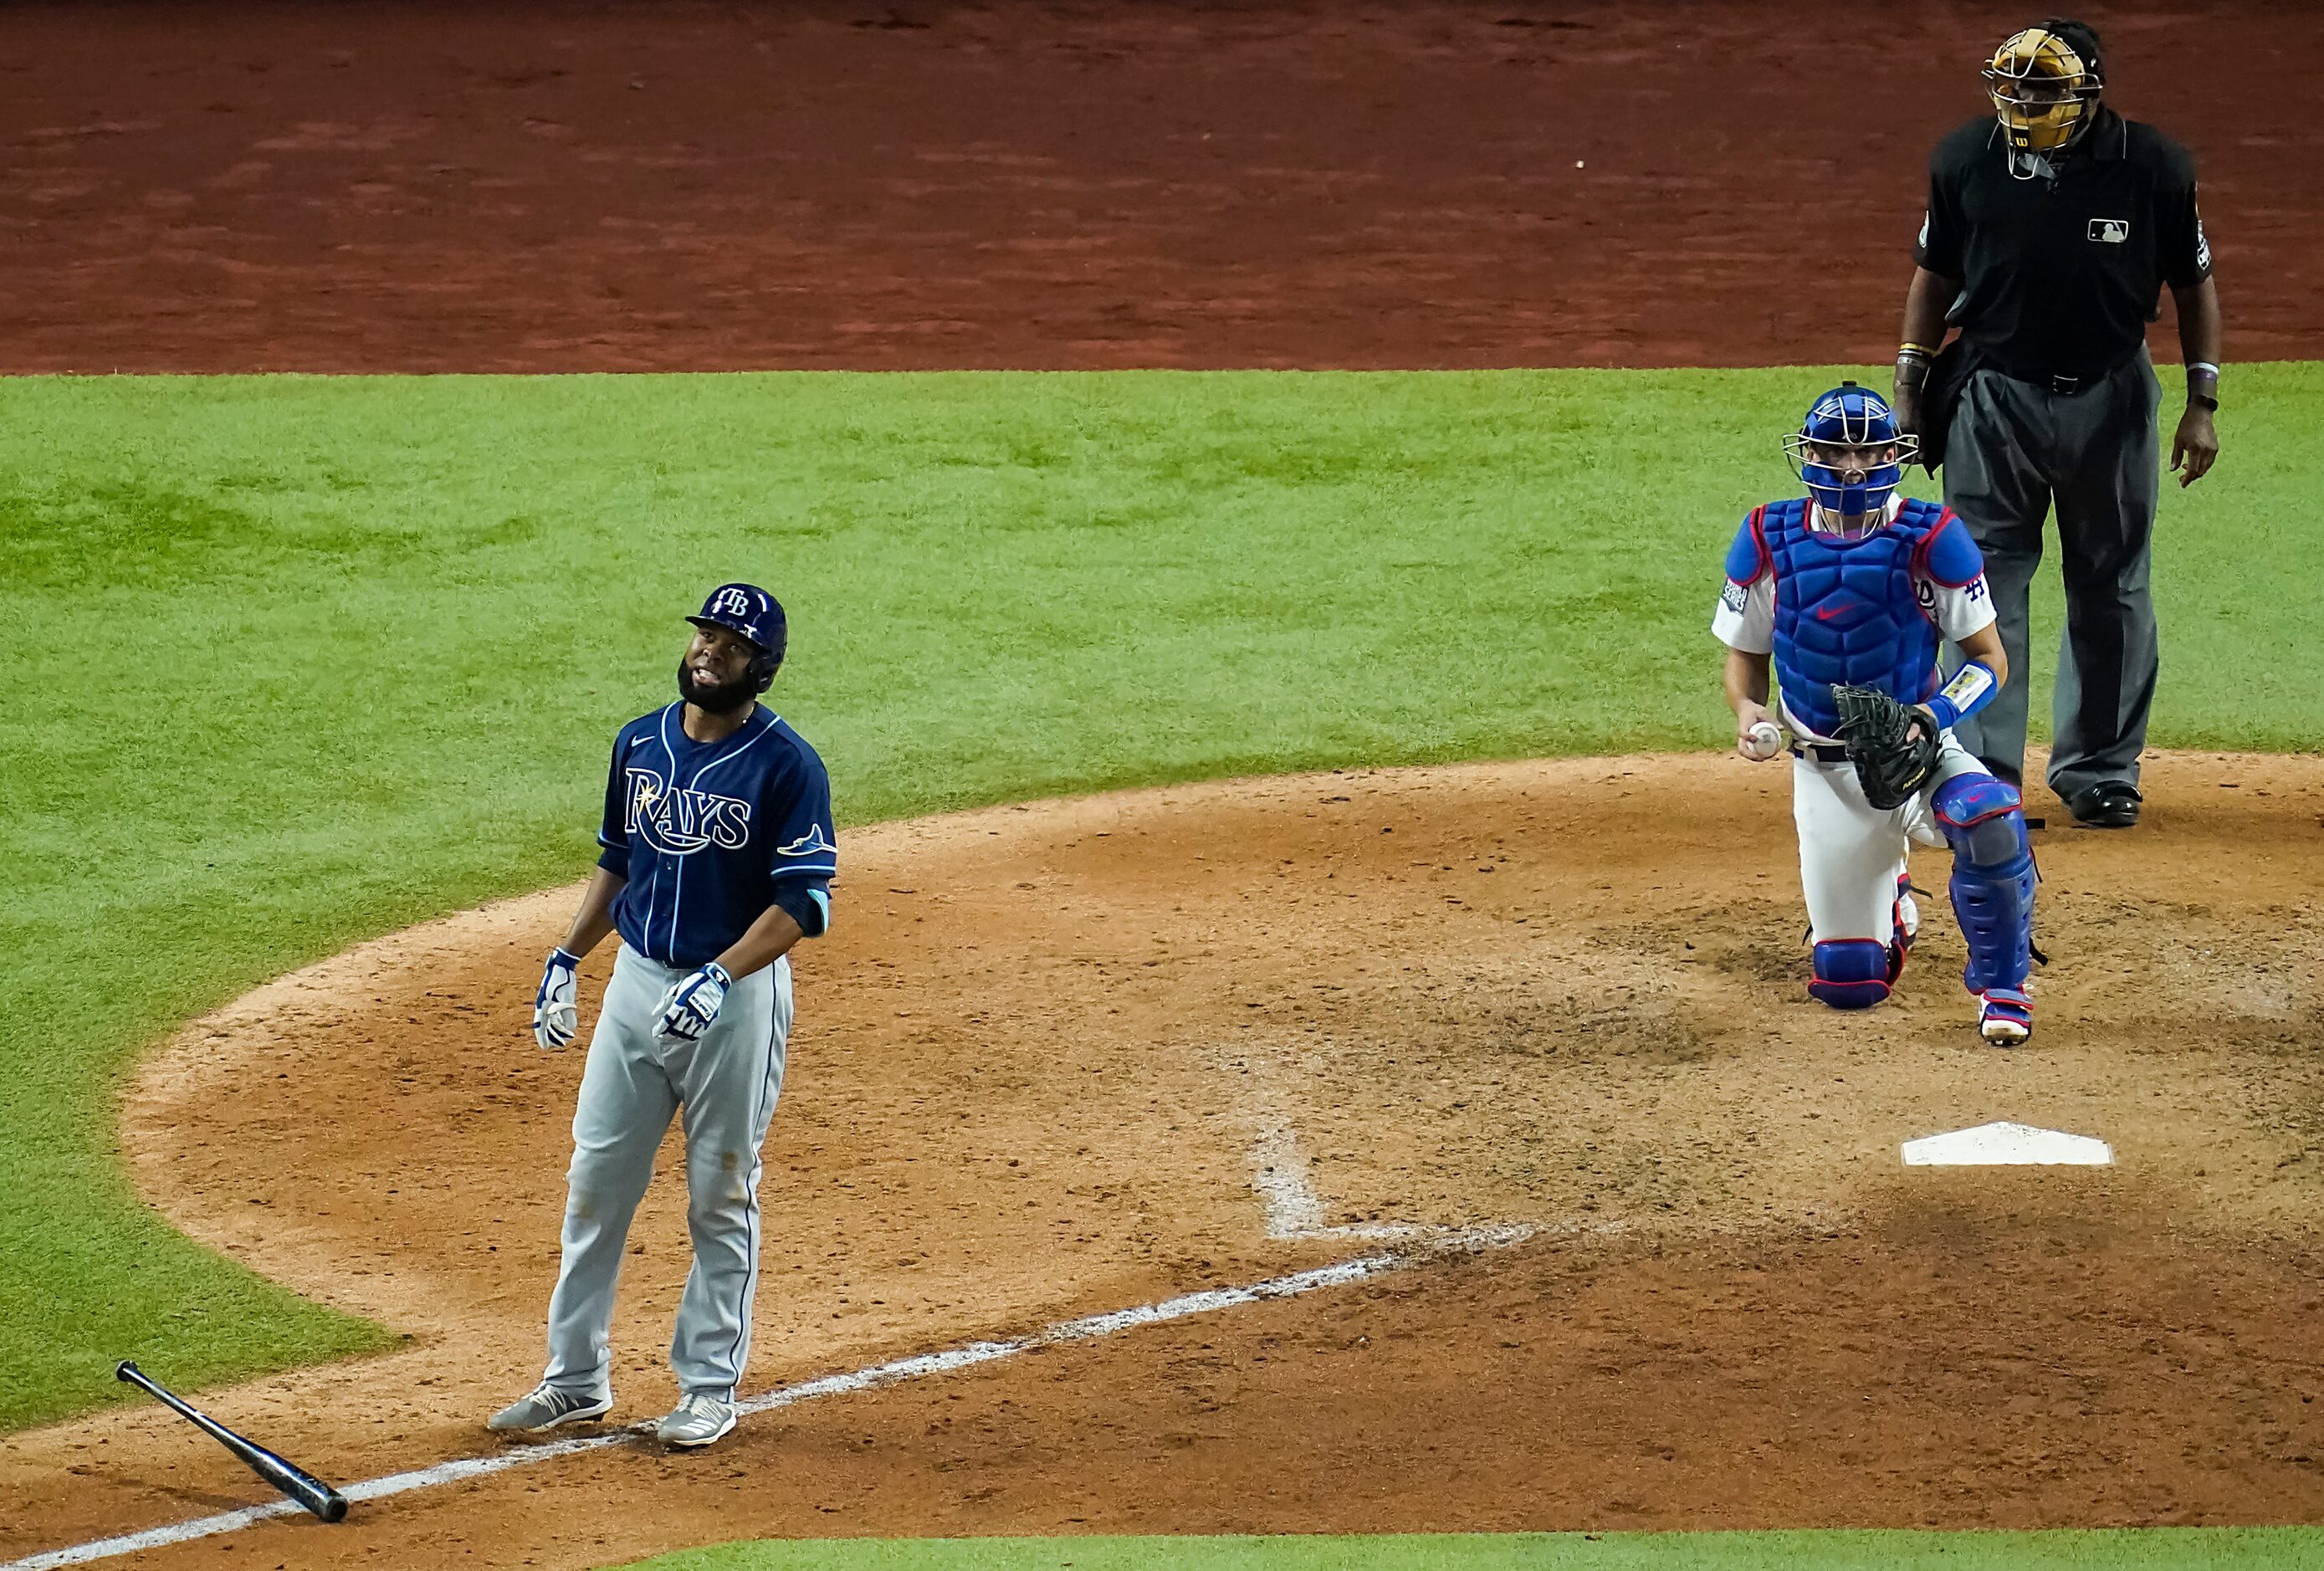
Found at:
[750, 612]
[1851, 456]
[2045, 83]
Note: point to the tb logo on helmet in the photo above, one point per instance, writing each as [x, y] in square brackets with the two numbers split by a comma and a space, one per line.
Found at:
[753, 613]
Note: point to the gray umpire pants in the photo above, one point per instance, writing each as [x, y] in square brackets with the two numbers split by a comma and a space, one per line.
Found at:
[2014, 448]
[725, 1085]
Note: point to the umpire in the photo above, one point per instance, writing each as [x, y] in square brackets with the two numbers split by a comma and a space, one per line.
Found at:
[2052, 227]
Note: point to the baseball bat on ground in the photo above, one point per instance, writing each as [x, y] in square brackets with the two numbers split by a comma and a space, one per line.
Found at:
[288, 1476]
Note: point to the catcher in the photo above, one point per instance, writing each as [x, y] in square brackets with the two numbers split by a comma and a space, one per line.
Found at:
[1847, 592]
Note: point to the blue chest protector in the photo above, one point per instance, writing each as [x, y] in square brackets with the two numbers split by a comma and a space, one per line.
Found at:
[1847, 610]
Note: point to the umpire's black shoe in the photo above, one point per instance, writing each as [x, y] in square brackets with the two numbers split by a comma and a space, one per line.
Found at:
[2111, 804]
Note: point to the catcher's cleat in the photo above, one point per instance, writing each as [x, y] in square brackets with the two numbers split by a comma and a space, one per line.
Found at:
[2005, 1017]
[698, 1419]
[547, 1407]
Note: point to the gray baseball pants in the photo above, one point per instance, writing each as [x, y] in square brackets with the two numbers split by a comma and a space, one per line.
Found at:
[2014, 449]
[725, 1085]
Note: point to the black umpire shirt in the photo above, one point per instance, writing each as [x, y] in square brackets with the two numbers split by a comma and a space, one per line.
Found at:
[2060, 276]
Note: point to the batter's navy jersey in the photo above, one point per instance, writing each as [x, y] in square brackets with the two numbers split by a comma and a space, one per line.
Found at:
[709, 834]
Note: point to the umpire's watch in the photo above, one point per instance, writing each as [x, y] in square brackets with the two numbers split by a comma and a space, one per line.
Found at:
[2203, 401]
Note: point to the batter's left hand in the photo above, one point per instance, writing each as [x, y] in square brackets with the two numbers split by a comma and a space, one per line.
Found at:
[555, 1011]
[2195, 445]
[689, 1007]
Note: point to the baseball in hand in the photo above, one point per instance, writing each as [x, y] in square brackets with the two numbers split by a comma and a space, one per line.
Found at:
[1764, 741]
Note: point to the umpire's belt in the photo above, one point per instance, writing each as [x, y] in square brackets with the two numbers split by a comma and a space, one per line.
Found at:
[2050, 381]
[1820, 751]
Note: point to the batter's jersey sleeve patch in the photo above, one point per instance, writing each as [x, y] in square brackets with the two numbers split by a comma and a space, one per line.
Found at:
[798, 809]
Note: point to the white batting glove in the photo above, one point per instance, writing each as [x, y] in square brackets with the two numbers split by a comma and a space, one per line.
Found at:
[688, 1007]
[556, 1008]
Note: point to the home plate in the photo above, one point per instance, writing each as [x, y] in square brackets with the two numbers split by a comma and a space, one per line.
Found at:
[2001, 1145]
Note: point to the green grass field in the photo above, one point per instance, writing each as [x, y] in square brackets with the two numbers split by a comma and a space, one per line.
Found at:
[2174, 1548]
[293, 662]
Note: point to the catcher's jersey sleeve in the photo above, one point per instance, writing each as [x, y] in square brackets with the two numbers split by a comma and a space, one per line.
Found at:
[1959, 610]
[1950, 579]
[1745, 620]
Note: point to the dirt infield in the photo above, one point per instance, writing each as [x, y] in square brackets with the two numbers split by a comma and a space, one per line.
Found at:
[1040, 1064]
[896, 183]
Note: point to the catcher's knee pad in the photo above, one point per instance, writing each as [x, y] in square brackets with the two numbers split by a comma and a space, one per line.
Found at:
[1993, 878]
[1852, 973]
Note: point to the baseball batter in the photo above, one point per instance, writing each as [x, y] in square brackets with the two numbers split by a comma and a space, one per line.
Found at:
[719, 858]
[1846, 592]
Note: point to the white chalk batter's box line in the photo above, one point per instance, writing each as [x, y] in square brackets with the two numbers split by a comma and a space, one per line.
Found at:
[1460, 1241]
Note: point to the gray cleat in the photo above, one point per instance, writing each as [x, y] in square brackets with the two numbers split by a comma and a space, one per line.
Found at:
[698, 1419]
[548, 1407]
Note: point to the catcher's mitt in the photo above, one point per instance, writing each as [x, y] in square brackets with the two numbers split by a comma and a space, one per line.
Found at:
[1892, 761]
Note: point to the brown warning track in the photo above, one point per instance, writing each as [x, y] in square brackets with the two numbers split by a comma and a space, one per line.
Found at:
[899, 183]
[1033, 1062]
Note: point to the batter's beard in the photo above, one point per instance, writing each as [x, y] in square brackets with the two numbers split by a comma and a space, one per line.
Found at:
[713, 699]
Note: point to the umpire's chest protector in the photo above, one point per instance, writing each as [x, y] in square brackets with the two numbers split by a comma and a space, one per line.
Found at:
[1849, 611]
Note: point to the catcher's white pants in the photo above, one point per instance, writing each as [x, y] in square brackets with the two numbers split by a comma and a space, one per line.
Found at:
[1852, 852]
[725, 1085]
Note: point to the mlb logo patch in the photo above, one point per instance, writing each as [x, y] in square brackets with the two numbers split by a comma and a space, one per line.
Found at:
[2109, 231]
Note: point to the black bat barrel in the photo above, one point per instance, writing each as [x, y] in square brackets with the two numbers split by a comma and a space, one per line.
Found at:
[292, 1480]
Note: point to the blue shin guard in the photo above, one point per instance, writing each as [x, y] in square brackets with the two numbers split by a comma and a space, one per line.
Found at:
[1993, 881]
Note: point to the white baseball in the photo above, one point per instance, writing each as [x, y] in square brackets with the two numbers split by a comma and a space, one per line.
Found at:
[1764, 740]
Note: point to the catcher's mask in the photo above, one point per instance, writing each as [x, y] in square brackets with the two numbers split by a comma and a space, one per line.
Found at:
[2045, 84]
[750, 611]
[1851, 456]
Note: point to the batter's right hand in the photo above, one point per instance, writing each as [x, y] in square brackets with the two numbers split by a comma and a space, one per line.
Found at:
[556, 1008]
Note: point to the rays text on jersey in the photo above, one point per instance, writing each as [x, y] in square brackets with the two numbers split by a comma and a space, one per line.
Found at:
[683, 821]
